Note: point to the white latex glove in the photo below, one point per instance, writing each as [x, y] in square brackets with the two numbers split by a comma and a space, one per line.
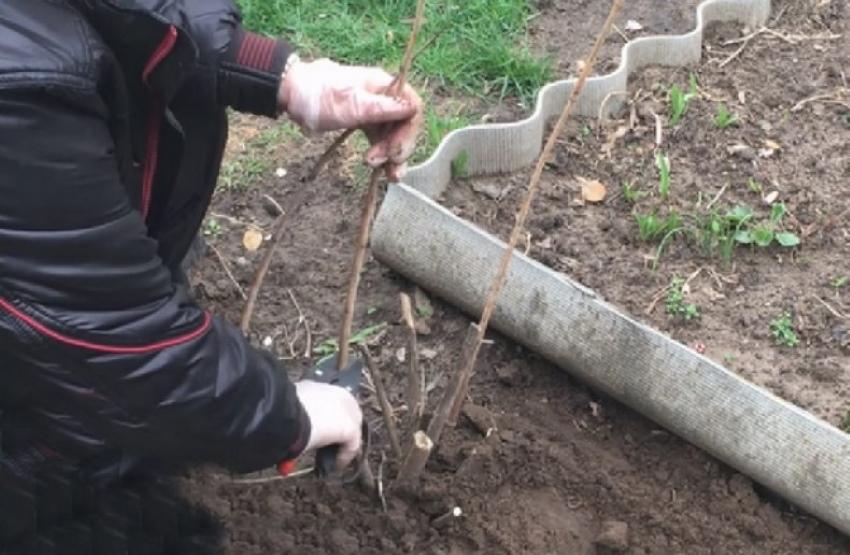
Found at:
[335, 419]
[325, 96]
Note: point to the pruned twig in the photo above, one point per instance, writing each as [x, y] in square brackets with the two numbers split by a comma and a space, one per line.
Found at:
[468, 362]
[416, 458]
[415, 379]
[386, 408]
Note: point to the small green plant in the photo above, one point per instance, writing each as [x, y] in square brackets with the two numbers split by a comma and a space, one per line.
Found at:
[783, 332]
[675, 303]
[680, 99]
[724, 118]
[764, 234]
[652, 228]
[839, 282]
[631, 192]
[329, 347]
[845, 424]
[424, 311]
[716, 231]
[662, 162]
[460, 165]
[755, 186]
[212, 228]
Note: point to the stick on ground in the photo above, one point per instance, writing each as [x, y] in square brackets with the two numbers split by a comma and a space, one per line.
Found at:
[468, 363]
[386, 407]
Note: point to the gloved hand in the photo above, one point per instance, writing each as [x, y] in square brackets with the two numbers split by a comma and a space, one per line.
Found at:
[324, 96]
[335, 419]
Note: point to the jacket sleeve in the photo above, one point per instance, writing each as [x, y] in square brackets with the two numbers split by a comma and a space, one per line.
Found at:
[243, 68]
[96, 314]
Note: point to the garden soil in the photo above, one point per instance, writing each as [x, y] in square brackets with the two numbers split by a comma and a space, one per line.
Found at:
[540, 463]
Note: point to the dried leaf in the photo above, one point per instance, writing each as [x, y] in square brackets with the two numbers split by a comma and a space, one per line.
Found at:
[252, 239]
[772, 144]
[592, 190]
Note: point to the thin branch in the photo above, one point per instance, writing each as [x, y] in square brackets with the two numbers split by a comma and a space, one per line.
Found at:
[227, 271]
[303, 320]
[717, 197]
[254, 291]
[328, 154]
[369, 201]
[522, 216]
[386, 408]
[276, 204]
[455, 391]
[832, 310]
[361, 246]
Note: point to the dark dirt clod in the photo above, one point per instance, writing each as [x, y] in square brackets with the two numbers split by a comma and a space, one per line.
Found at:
[614, 536]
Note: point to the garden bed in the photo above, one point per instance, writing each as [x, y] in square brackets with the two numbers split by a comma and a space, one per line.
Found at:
[567, 470]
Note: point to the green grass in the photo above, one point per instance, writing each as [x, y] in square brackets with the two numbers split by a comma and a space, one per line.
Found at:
[481, 48]
[256, 161]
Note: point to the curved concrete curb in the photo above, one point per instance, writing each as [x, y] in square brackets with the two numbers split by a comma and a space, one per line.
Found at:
[776, 443]
[506, 147]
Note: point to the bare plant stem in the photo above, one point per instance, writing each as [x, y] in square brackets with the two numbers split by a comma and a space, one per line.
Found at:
[456, 389]
[468, 362]
[416, 458]
[361, 248]
[328, 154]
[415, 378]
[369, 201]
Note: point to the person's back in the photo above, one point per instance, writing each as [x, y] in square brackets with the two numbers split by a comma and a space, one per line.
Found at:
[112, 128]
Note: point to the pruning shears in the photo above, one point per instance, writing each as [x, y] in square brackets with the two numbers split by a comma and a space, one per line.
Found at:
[350, 378]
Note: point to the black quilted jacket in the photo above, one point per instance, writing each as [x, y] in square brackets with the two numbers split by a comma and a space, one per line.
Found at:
[112, 127]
